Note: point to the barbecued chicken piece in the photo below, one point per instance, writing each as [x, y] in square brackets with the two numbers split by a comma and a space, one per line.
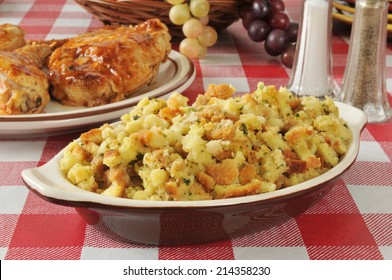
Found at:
[109, 64]
[11, 37]
[24, 87]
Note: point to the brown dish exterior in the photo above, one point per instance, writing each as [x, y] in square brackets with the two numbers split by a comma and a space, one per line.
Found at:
[176, 226]
[200, 225]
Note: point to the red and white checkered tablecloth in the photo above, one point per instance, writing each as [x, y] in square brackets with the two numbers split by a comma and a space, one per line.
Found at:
[354, 221]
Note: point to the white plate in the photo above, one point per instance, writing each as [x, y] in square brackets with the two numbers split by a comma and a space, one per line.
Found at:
[176, 74]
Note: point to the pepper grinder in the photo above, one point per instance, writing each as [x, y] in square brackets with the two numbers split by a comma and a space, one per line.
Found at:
[364, 82]
[311, 73]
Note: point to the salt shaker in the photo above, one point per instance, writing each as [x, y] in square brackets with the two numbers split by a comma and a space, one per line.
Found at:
[364, 82]
[311, 73]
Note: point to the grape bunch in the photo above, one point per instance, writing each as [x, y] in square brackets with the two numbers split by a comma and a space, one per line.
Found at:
[266, 21]
[193, 16]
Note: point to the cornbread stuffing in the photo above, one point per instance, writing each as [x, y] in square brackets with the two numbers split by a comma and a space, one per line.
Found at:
[220, 147]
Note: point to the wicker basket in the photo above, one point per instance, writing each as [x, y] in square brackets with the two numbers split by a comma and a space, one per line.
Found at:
[222, 12]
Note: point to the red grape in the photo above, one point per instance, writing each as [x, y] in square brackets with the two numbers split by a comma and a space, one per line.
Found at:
[277, 5]
[279, 20]
[261, 8]
[266, 20]
[292, 31]
[258, 30]
[247, 15]
[287, 57]
[243, 9]
[276, 42]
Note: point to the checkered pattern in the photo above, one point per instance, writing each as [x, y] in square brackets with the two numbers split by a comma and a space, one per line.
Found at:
[354, 221]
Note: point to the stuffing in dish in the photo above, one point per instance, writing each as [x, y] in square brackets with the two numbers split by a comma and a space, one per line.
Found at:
[220, 147]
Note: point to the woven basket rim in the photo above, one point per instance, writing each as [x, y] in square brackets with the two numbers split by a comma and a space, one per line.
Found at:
[131, 12]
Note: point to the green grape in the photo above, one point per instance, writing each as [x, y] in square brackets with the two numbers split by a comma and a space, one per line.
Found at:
[202, 51]
[209, 37]
[192, 28]
[175, 2]
[179, 14]
[199, 8]
[191, 48]
[205, 20]
[194, 18]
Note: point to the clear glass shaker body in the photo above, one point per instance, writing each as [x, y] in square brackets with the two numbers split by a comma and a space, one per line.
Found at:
[311, 73]
[364, 81]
